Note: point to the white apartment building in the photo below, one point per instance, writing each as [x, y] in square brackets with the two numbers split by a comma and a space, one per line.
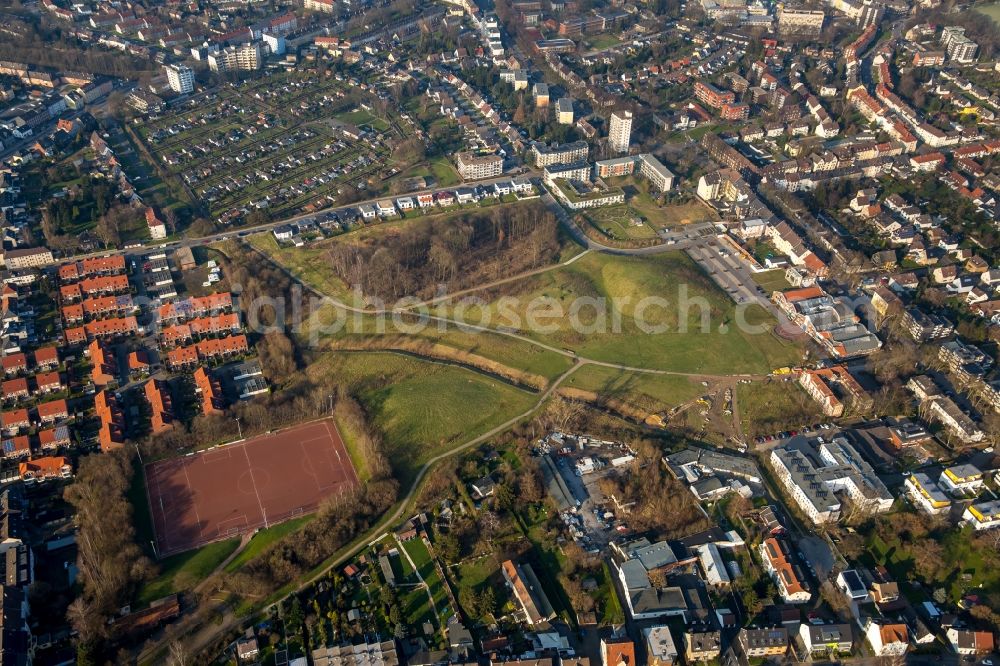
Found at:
[242, 58]
[180, 78]
[477, 167]
[926, 494]
[812, 475]
[964, 478]
[983, 516]
[620, 131]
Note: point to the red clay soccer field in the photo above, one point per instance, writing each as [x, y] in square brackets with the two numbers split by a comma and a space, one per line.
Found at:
[236, 488]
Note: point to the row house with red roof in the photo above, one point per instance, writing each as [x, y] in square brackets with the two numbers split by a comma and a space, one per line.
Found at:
[207, 350]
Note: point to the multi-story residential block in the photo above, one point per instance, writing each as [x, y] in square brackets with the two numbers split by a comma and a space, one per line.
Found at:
[326, 6]
[180, 78]
[762, 643]
[540, 92]
[564, 111]
[926, 494]
[826, 639]
[660, 647]
[660, 176]
[923, 327]
[477, 167]
[566, 153]
[780, 562]
[711, 96]
[528, 592]
[964, 359]
[32, 257]
[620, 131]
[615, 167]
[702, 645]
[811, 475]
[820, 384]
[964, 478]
[963, 50]
[957, 423]
[236, 58]
[800, 21]
[983, 515]
[887, 640]
[958, 46]
[928, 58]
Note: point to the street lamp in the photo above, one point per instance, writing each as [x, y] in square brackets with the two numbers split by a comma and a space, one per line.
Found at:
[238, 427]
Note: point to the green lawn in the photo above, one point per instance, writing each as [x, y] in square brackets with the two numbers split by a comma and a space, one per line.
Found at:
[423, 408]
[772, 280]
[185, 570]
[603, 42]
[774, 405]
[672, 215]
[609, 607]
[363, 118]
[142, 519]
[444, 173]
[621, 222]
[350, 438]
[673, 337]
[263, 539]
[653, 393]
[992, 10]
[421, 557]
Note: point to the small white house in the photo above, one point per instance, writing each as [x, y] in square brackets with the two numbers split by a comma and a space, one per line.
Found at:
[887, 640]
[386, 208]
[284, 233]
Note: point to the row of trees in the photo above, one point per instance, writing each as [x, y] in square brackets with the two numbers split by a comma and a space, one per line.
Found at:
[111, 564]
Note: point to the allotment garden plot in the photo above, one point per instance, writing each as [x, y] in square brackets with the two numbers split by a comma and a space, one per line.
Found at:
[267, 145]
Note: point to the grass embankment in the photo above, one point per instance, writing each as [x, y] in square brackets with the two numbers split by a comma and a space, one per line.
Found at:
[673, 337]
[635, 395]
[185, 570]
[772, 280]
[992, 11]
[263, 538]
[422, 408]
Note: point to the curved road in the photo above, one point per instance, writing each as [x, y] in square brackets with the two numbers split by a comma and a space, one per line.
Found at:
[199, 637]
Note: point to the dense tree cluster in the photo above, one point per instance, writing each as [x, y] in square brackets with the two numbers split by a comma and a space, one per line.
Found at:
[457, 252]
[654, 499]
[111, 564]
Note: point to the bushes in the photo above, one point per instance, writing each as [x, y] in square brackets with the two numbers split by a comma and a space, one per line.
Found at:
[340, 519]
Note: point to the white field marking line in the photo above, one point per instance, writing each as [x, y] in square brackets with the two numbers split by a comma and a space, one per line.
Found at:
[194, 505]
[228, 530]
[308, 466]
[332, 447]
[253, 481]
[349, 465]
[163, 518]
